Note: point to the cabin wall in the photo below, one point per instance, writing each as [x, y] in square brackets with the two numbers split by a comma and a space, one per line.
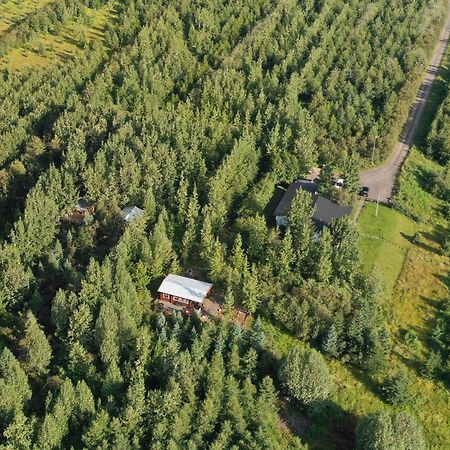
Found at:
[178, 300]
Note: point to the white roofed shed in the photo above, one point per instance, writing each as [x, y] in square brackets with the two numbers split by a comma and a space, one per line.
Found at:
[177, 287]
[131, 213]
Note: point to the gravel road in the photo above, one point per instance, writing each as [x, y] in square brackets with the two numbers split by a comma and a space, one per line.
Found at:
[381, 180]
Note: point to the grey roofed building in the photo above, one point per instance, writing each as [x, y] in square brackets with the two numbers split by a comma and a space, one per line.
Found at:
[178, 287]
[325, 210]
[83, 205]
[131, 213]
[285, 203]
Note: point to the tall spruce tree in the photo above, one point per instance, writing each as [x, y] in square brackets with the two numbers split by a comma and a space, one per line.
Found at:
[37, 347]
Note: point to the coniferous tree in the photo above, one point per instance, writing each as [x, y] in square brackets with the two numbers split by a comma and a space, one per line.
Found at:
[323, 267]
[14, 387]
[396, 389]
[330, 344]
[37, 347]
[189, 242]
[19, 433]
[14, 277]
[300, 225]
[251, 291]
[287, 256]
[162, 249]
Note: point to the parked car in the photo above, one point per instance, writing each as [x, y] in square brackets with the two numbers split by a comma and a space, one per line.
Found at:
[364, 192]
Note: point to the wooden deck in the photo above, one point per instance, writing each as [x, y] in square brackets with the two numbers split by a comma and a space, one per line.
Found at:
[210, 310]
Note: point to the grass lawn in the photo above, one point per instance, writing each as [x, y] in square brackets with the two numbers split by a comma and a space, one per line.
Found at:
[384, 241]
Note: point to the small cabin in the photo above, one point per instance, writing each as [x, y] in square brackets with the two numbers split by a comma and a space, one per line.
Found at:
[131, 213]
[82, 210]
[177, 292]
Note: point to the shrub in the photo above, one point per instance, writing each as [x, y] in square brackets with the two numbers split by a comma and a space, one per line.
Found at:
[396, 389]
[384, 431]
[305, 377]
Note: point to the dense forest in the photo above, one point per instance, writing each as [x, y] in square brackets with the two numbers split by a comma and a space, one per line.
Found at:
[195, 112]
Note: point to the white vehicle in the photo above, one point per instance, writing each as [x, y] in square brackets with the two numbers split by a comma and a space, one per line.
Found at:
[339, 183]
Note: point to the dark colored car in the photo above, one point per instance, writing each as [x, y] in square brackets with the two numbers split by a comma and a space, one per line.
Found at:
[364, 192]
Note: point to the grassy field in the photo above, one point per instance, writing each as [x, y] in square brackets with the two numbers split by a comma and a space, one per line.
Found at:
[13, 11]
[385, 241]
[48, 49]
[414, 195]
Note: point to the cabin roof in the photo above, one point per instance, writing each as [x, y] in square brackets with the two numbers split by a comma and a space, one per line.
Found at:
[286, 201]
[83, 205]
[130, 213]
[327, 211]
[187, 288]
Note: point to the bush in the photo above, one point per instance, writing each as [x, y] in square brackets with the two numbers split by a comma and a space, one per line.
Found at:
[384, 431]
[417, 238]
[305, 377]
[411, 339]
[445, 246]
[432, 365]
[396, 389]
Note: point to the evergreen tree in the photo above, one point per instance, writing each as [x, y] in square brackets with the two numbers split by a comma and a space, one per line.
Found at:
[38, 350]
[286, 256]
[396, 389]
[189, 242]
[162, 250]
[239, 263]
[19, 433]
[323, 267]
[14, 387]
[351, 174]
[432, 365]
[330, 344]
[251, 290]
[14, 277]
[300, 225]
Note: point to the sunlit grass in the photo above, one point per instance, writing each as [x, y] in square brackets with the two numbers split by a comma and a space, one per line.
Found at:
[13, 11]
[384, 241]
[48, 49]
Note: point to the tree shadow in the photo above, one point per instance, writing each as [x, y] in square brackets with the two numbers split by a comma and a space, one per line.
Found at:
[331, 424]
[424, 178]
[420, 244]
[445, 279]
[438, 234]
[412, 363]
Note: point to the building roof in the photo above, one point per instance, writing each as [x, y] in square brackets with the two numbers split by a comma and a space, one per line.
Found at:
[186, 288]
[131, 213]
[285, 204]
[324, 209]
[83, 205]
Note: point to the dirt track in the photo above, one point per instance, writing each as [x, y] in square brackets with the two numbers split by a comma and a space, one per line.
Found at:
[381, 180]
